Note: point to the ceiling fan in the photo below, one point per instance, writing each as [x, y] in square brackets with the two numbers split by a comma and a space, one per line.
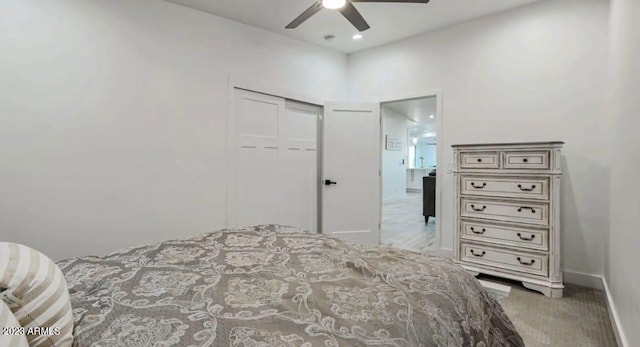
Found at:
[346, 8]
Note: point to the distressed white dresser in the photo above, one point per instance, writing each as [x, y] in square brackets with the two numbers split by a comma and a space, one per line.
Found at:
[507, 221]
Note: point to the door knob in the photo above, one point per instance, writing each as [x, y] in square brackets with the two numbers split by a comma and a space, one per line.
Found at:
[329, 182]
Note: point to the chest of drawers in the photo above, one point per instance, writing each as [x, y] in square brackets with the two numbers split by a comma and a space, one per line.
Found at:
[507, 215]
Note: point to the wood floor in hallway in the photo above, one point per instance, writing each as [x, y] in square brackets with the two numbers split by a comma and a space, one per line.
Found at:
[403, 225]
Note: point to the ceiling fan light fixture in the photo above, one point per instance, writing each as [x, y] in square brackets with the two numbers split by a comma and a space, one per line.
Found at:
[346, 8]
[333, 4]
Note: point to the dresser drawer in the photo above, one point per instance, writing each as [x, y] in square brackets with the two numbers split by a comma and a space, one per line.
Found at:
[513, 236]
[479, 160]
[530, 263]
[510, 187]
[511, 211]
[526, 160]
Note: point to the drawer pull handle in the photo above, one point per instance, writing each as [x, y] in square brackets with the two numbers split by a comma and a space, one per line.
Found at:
[524, 208]
[478, 209]
[478, 254]
[526, 238]
[525, 160]
[473, 184]
[527, 189]
[525, 263]
[479, 160]
[478, 232]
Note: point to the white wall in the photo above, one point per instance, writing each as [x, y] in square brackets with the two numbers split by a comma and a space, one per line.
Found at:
[623, 253]
[394, 172]
[114, 112]
[113, 117]
[533, 73]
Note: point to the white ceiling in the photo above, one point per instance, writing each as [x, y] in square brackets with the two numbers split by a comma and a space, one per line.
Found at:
[389, 22]
[419, 111]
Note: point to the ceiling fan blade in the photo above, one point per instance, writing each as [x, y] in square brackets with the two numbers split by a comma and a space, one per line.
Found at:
[396, 1]
[351, 13]
[305, 15]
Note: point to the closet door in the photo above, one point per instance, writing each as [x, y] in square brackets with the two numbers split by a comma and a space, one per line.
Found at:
[298, 167]
[273, 164]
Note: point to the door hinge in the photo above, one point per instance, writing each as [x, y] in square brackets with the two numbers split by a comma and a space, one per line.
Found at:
[380, 173]
[379, 226]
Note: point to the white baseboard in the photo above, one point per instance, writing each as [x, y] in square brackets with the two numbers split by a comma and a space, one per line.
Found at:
[583, 279]
[442, 252]
[613, 316]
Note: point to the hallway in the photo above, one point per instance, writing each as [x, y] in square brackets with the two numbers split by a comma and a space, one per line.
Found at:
[403, 224]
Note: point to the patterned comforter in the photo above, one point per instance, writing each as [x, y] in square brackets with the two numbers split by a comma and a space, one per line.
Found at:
[278, 286]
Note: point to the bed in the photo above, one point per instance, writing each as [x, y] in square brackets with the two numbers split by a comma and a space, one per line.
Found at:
[279, 286]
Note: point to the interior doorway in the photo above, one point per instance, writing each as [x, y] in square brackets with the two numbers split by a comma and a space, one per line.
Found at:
[409, 171]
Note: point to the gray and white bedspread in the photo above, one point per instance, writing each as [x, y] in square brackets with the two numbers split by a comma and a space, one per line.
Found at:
[278, 286]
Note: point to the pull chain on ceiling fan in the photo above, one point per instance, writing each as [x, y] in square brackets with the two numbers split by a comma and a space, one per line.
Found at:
[346, 8]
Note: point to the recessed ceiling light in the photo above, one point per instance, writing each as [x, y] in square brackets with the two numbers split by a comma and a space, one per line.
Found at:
[432, 116]
[357, 36]
[334, 4]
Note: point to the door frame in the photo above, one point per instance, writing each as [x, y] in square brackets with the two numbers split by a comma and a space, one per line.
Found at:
[239, 81]
[440, 162]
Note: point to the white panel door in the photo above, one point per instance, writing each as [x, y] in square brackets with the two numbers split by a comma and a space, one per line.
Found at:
[351, 159]
[257, 141]
[273, 169]
[298, 205]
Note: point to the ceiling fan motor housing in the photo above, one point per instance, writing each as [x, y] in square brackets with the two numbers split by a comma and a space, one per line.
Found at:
[346, 8]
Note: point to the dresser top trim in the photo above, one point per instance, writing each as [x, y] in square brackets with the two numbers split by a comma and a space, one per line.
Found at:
[548, 143]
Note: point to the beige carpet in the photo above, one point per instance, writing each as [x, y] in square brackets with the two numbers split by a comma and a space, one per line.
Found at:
[580, 318]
